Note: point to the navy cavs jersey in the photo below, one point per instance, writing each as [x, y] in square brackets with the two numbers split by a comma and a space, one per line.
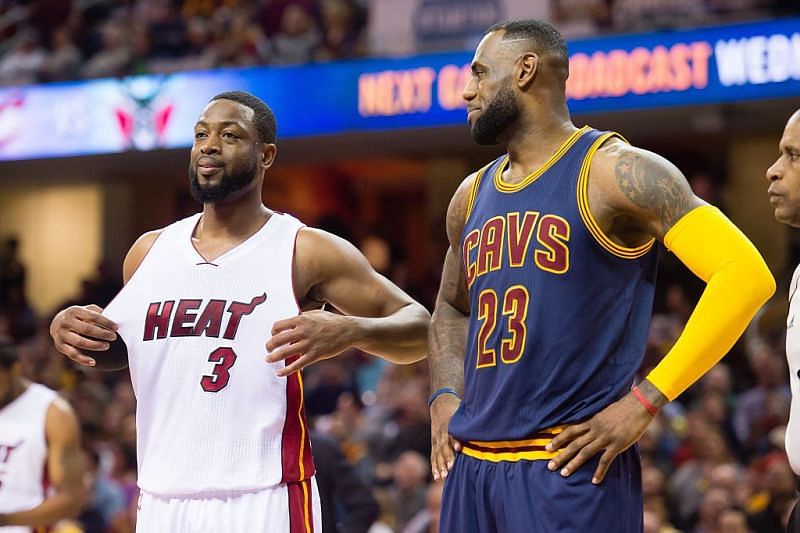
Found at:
[559, 313]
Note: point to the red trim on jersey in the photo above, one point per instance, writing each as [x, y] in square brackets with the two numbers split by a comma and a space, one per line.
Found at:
[296, 460]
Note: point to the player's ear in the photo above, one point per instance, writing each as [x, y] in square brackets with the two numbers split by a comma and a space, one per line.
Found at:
[268, 153]
[527, 67]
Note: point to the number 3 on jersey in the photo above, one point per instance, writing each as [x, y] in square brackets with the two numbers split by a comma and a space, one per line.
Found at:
[220, 374]
[515, 308]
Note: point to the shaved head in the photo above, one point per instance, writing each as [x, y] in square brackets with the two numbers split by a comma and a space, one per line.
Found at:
[537, 36]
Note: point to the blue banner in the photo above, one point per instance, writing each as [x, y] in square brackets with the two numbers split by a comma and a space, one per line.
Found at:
[710, 65]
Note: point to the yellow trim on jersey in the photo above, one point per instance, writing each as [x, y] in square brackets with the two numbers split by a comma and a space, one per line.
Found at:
[586, 214]
[306, 506]
[302, 427]
[473, 193]
[500, 450]
[496, 457]
[504, 186]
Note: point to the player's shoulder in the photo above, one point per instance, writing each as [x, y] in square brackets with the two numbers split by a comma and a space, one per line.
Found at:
[616, 154]
[60, 416]
[138, 251]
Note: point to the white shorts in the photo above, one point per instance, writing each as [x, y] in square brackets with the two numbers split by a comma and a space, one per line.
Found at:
[288, 508]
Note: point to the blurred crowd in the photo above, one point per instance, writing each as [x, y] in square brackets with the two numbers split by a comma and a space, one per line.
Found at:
[581, 18]
[55, 40]
[712, 462]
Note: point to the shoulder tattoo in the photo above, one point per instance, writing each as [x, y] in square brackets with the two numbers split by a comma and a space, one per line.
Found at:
[651, 186]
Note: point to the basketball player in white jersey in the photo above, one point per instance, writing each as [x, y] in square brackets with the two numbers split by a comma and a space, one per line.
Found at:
[41, 469]
[222, 438]
[784, 195]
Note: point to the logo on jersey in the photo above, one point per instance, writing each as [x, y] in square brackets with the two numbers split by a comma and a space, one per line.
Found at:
[186, 319]
[506, 241]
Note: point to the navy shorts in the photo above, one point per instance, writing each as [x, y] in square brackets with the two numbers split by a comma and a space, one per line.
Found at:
[482, 496]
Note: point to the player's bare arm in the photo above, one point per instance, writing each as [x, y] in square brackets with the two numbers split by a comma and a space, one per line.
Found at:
[64, 469]
[84, 327]
[378, 317]
[448, 336]
[638, 195]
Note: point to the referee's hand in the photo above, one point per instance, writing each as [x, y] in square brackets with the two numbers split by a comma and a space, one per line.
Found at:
[443, 445]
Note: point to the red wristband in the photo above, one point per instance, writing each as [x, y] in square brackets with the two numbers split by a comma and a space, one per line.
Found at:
[652, 409]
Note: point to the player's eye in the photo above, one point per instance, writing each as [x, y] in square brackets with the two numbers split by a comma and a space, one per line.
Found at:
[200, 135]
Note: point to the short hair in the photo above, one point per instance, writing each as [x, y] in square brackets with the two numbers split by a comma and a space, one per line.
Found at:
[8, 354]
[541, 34]
[263, 117]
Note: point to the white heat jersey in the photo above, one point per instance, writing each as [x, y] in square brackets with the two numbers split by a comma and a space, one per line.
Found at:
[212, 415]
[793, 357]
[23, 451]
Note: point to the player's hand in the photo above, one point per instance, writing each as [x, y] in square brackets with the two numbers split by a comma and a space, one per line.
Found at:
[79, 328]
[313, 336]
[612, 431]
[443, 445]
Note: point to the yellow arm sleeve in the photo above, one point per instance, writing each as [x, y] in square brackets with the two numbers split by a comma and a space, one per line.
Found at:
[738, 283]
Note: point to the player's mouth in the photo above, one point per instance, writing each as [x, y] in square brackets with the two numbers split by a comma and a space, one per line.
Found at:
[207, 166]
[472, 112]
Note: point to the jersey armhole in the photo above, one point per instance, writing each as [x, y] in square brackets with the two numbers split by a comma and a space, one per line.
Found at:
[473, 192]
[589, 221]
[133, 276]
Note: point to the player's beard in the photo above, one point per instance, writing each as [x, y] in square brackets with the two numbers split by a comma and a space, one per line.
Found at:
[501, 113]
[229, 184]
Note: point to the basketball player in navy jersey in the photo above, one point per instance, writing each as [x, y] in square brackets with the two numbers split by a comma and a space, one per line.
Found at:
[545, 300]
[41, 469]
[222, 437]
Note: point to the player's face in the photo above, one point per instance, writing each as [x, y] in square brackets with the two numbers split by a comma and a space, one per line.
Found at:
[784, 175]
[225, 155]
[491, 102]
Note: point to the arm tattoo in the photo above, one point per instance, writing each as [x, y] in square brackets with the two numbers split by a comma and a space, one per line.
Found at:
[651, 186]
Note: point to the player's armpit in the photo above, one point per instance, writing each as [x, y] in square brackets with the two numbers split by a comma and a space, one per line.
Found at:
[738, 284]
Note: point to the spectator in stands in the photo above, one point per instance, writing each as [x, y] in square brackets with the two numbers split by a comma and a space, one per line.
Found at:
[427, 520]
[298, 36]
[114, 57]
[581, 18]
[343, 22]
[779, 485]
[21, 65]
[409, 493]
[347, 504]
[64, 60]
[766, 405]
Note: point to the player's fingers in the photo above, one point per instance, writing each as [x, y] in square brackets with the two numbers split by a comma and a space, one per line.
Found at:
[287, 351]
[602, 467]
[286, 323]
[445, 457]
[570, 451]
[91, 313]
[83, 343]
[296, 365]
[586, 453]
[283, 338]
[75, 355]
[565, 437]
[88, 329]
[457, 445]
